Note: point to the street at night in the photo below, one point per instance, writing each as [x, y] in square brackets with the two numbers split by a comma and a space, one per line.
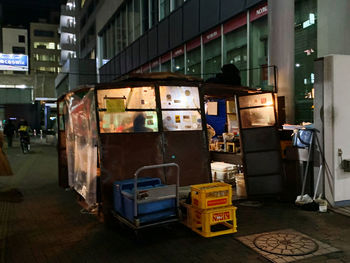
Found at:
[47, 225]
[174, 131]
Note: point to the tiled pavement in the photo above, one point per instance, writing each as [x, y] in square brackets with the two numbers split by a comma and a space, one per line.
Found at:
[47, 226]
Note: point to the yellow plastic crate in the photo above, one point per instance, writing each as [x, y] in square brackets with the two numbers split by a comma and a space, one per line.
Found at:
[205, 196]
[212, 222]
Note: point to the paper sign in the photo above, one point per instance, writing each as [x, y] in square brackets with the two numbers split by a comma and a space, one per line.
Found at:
[115, 105]
[212, 108]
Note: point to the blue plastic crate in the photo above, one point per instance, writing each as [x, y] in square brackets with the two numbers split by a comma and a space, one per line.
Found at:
[147, 212]
[124, 185]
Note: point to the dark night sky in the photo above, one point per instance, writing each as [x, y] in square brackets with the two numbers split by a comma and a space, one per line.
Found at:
[22, 12]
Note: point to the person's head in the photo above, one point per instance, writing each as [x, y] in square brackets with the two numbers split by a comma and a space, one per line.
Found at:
[228, 69]
[139, 121]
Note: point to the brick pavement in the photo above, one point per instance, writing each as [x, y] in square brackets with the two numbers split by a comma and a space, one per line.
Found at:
[47, 226]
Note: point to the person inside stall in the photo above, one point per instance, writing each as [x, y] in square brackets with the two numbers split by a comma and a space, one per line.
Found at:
[139, 123]
[230, 75]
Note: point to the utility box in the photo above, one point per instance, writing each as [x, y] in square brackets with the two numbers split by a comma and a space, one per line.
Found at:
[331, 115]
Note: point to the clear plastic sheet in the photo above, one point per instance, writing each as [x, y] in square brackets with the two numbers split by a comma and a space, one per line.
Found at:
[81, 144]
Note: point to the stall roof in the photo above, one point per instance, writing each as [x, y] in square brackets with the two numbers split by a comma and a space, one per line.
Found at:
[225, 90]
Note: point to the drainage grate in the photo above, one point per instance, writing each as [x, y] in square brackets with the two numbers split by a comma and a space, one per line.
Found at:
[287, 244]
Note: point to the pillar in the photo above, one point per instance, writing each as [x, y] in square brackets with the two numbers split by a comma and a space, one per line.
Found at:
[281, 50]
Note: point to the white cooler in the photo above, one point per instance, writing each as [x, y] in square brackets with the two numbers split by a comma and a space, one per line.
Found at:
[221, 171]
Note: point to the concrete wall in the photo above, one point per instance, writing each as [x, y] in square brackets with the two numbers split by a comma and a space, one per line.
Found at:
[10, 39]
[333, 21]
[75, 72]
[337, 126]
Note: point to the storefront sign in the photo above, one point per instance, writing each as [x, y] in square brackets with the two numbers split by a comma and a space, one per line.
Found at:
[259, 11]
[13, 62]
[235, 23]
[178, 52]
[165, 58]
[211, 35]
[193, 44]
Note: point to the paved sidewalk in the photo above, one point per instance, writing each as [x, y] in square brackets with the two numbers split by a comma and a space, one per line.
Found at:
[47, 226]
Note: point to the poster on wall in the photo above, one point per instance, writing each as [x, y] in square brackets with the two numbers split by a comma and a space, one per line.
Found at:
[15, 62]
[212, 108]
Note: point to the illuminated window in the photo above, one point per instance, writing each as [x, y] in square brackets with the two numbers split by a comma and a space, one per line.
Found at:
[45, 57]
[44, 45]
[180, 108]
[127, 110]
[46, 69]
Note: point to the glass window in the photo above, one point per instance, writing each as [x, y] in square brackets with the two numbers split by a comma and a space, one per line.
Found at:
[258, 110]
[258, 53]
[130, 22]
[137, 24]
[173, 102]
[117, 34]
[117, 110]
[155, 67]
[154, 12]
[305, 54]
[194, 62]
[104, 43]
[235, 51]
[43, 33]
[166, 66]
[179, 97]
[44, 45]
[164, 8]
[181, 120]
[178, 64]
[258, 117]
[212, 58]
[123, 28]
[145, 17]
[110, 42]
[256, 100]
[21, 39]
[177, 3]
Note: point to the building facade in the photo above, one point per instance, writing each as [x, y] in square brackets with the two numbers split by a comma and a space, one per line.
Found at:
[44, 57]
[68, 31]
[16, 86]
[197, 37]
[78, 55]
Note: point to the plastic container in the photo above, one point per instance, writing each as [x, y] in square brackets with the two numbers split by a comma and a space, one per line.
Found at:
[211, 195]
[222, 171]
[147, 212]
[203, 222]
[240, 186]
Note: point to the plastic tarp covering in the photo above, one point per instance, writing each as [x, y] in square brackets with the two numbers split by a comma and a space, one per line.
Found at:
[81, 145]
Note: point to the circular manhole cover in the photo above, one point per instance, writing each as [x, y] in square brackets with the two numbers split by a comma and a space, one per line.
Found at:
[287, 244]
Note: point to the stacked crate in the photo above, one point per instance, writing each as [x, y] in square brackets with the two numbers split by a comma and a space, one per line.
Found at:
[211, 212]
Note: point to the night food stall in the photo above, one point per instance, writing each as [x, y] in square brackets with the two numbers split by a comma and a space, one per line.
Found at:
[245, 120]
[108, 131]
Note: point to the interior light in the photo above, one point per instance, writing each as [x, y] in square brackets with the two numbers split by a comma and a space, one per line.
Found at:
[312, 77]
[297, 65]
